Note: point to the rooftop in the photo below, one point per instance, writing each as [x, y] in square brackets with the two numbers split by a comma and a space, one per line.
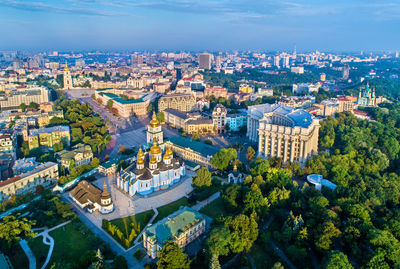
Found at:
[174, 224]
[203, 149]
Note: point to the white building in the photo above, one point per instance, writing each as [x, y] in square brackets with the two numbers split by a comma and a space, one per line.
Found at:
[154, 132]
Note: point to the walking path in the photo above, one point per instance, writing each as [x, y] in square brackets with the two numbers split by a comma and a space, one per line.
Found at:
[150, 222]
[10, 211]
[282, 255]
[207, 201]
[29, 254]
[48, 240]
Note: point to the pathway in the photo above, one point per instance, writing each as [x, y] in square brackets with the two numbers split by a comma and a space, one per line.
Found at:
[150, 222]
[207, 201]
[29, 254]
[253, 265]
[48, 240]
[282, 255]
[10, 211]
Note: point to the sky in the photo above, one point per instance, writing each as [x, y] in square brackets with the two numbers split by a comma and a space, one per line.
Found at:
[200, 25]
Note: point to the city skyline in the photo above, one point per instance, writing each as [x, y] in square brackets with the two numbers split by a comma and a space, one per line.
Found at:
[199, 25]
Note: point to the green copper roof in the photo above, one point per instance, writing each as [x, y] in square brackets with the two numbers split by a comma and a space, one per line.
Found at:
[203, 149]
[174, 224]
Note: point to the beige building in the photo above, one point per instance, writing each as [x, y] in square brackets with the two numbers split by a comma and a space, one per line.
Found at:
[283, 132]
[219, 117]
[45, 174]
[200, 126]
[182, 227]
[124, 108]
[191, 150]
[27, 95]
[47, 137]
[191, 123]
[81, 154]
[181, 102]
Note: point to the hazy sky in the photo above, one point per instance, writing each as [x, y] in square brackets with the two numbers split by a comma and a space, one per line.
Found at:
[200, 24]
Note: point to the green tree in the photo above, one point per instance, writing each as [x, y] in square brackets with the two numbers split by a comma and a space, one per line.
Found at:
[222, 158]
[214, 263]
[196, 137]
[203, 178]
[33, 105]
[150, 107]
[95, 162]
[160, 116]
[337, 260]
[23, 107]
[12, 230]
[250, 154]
[110, 103]
[172, 257]
[218, 241]
[244, 231]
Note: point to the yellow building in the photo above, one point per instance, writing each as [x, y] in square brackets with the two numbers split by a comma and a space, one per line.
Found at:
[181, 102]
[47, 137]
[245, 88]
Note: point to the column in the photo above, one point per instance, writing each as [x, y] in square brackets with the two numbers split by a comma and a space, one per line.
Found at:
[260, 149]
[305, 150]
[272, 154]
[278, 150]
[285, 150]
[266, 139]
[292, 145]
[301, 156]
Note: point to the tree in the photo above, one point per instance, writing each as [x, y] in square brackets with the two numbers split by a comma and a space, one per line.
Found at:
[244, 231]
[150, 107]
[12, 230]
[250, 154]
[172, 257]
[214, 263]
[120, 263]
[203, 178]
[222, 158]
[99, 263]
[218, 241]
[33, 105]
[110, 103]
[23, 107]
[160, 116]
[95, 162]
[196, 137]
[337, 260]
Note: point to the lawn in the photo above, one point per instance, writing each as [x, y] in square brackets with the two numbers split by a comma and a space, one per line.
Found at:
[168, 209]
[215, 209]
[139, 221]
[39, 249]
[71, 243]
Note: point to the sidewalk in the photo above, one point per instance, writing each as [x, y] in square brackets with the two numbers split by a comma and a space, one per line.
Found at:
[29, 254]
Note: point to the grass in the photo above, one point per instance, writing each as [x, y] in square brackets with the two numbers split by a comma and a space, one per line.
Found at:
[71, 243]
[168, 209]
[140, 220]
[39, 249]
[215, 209]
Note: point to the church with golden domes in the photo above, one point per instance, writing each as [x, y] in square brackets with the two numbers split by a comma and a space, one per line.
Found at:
[153, 170]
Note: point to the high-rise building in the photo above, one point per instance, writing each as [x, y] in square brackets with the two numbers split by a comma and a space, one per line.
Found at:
[397, 54]
[219, 116]
[139, 59]
[346, 72]
[80, 63]
[67, 78]
[276, 61]
[205, 61]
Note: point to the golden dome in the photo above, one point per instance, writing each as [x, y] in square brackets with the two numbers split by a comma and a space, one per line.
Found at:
[154, 122]
[155, 149]
[140, 154]
[168, 151]
[139, 161]
[153, 160]
[167, 156]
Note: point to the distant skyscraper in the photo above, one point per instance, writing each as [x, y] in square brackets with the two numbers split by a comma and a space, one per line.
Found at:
[286, 60]
[139, 59]
[346, 72]
[80, 63]
[294, 52]
[67, 78]
[133, 59]
[397, 54]
[276, 61]
[218, 61]
[205, 61]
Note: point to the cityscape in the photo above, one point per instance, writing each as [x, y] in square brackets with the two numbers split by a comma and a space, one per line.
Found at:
[188, 154]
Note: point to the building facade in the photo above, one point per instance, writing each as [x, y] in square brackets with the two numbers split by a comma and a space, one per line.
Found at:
[219, 118]
[366, 97]
[47, 137]
[44, 175]
[152, 172]
[283, 132]
[181, 102]
[154, 131]
[67, 79]
[80, 154]
[191, 150]
[91, 198]
[182, 227]
[205, 61]
[15, 98]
